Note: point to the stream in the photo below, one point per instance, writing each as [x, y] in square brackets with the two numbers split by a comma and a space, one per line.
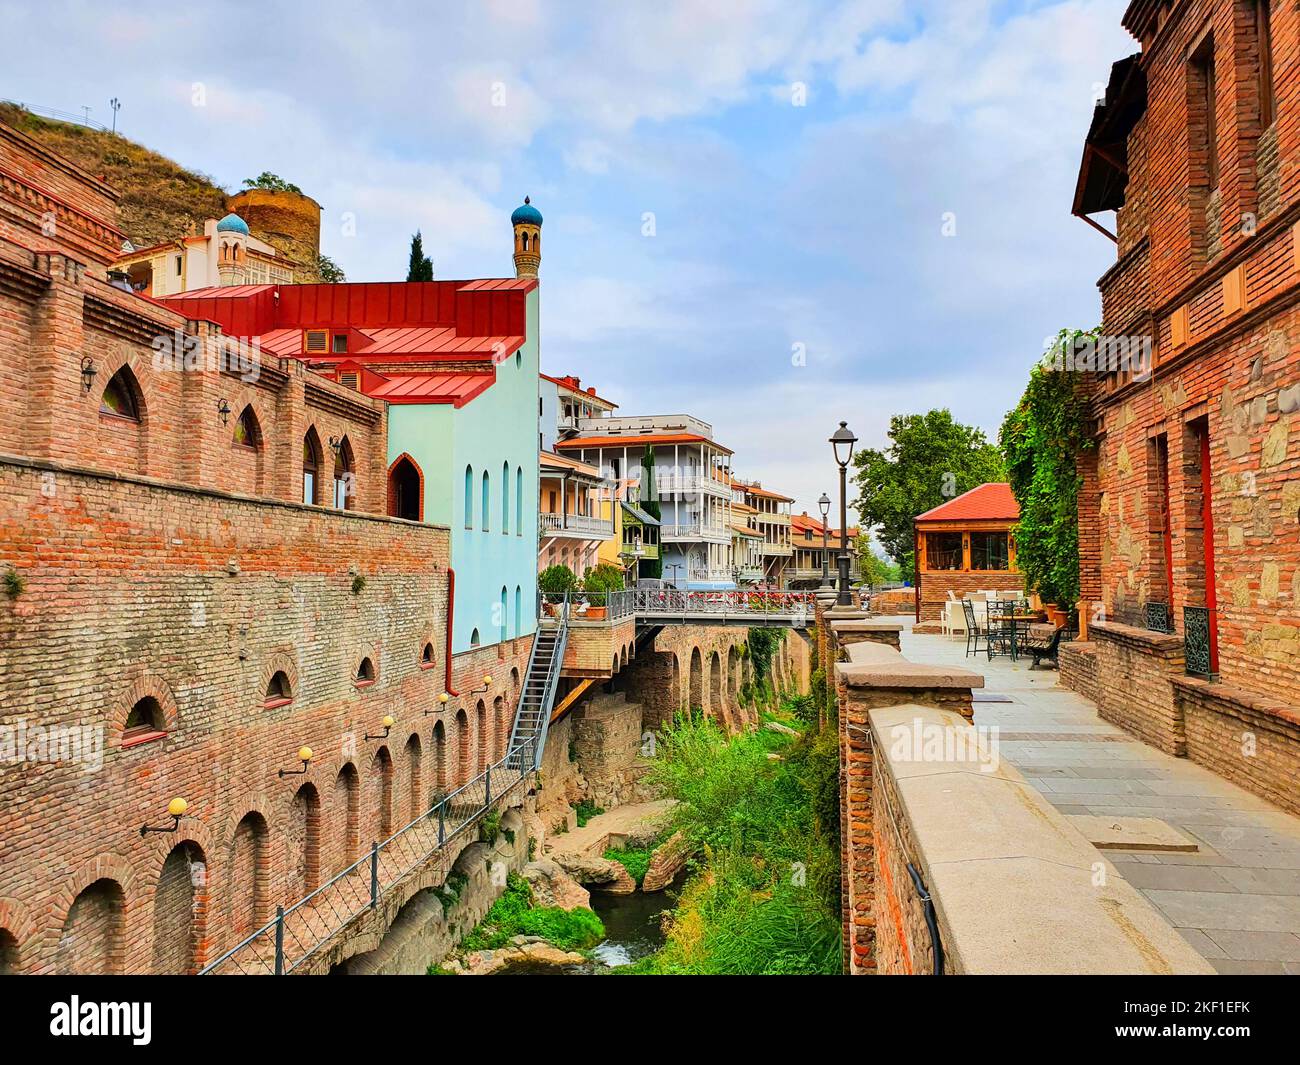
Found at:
[632, 929]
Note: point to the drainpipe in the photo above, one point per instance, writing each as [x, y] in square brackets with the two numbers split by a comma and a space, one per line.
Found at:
[451, 613]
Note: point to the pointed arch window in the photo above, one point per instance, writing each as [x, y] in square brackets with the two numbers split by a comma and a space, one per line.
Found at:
[119, 398]
[486, 500]
[278, 691]
[247, 431]
[345, 492]
[469, 497]
[310, 466]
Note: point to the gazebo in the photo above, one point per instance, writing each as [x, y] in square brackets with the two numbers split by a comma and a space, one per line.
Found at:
[965, 546]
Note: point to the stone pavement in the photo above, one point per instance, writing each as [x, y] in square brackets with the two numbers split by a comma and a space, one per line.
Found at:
[1237, 899]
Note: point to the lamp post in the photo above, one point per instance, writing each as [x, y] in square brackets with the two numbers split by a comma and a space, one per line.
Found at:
[842, 441]
[824, 505]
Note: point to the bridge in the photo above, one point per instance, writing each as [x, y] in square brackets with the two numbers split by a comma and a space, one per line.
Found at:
[668, 606]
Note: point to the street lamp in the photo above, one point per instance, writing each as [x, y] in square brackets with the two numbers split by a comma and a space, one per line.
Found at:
[842, 441]
[824, 505]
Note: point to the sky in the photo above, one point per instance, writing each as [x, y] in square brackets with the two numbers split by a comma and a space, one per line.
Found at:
[770, 214]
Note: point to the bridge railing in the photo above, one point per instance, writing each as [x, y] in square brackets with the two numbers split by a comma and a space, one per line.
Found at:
[667, 602]
[296, 933]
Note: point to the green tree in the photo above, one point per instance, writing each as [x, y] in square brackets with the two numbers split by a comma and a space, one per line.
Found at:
[931, 458]
[874, 569]
[652, 569]
[1041, 439]
[420, 268]
[330, 271]
[271, 182]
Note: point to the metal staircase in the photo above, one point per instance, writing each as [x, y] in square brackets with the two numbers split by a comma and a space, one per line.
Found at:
[533, 717]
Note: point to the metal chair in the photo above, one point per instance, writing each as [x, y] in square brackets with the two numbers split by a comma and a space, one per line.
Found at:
[1001, 638]
[974, 631]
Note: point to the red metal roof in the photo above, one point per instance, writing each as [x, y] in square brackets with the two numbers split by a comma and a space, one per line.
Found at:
[988, 502]
[387, 322]
[633, 439]
[454, 388]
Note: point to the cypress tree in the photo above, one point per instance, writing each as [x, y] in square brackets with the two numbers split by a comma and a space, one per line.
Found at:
[420, 267]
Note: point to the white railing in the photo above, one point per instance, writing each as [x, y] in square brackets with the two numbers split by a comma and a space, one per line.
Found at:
[696, 531]
[576, 524]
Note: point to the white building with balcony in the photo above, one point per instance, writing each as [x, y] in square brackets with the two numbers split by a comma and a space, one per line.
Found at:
[696, 537]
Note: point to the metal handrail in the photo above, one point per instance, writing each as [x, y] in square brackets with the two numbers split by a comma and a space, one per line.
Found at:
[276, 927]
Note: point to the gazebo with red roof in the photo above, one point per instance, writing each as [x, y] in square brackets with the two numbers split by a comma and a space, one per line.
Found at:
[966, 545]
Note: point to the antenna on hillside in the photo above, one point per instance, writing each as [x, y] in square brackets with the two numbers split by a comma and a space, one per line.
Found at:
[116, 105]
[86, 109]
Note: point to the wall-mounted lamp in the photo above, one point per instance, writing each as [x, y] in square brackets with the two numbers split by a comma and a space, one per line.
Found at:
[88, 373]
[223, 408]
[176, 808]
[443, 700]
[388, 723]
[304, 756]
[487, 683]
[336, 445]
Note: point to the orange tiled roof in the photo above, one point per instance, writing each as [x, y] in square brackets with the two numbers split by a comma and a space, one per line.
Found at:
[633, 439]
[988, 502]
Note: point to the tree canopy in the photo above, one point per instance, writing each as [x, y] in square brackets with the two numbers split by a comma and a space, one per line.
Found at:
[931, 458]
[273, 182]
[420, 267]
[1041, 439]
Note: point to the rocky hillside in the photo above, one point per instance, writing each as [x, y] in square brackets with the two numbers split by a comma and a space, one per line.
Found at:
[161, 200]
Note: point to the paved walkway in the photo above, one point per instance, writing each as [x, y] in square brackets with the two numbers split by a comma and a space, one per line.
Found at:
[624, 819]
[1237, 899]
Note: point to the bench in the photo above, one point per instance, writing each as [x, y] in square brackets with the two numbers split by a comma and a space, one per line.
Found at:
[1042, 645]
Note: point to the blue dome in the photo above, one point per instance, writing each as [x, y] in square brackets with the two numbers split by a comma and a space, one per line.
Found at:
[527, 214]
[232, 223]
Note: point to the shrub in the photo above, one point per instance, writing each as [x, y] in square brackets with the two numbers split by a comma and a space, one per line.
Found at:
[586, 810]
[514, 914]
[556, 580]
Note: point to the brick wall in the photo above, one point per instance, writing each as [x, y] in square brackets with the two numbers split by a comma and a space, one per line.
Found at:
[193, 598]
[1135, 670]
[1223, 315]
[935, 587]
[1077, 668]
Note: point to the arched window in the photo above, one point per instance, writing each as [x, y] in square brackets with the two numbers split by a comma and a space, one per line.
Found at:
[505, 603]
[145, 722]
[469, 497]
[426, 657]
[247, 432]
[474, 640]
[121, 396]
[519, 610]
[505, 499]
[519, 501]
[365, 673]
[310, 467]
[278, 690]
[404, 491]
[345, 489]
[487, 500]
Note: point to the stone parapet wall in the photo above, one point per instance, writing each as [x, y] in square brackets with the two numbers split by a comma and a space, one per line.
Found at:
[1249, 739]
[1077, 668]
[1015, 887]
[1135, 671]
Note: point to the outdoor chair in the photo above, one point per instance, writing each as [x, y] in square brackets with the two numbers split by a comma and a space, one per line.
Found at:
[974, 631]
[1001, 636]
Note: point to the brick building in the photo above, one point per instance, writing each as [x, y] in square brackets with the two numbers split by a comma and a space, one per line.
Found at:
[1190, 513]
[965, 546]
[178, 622]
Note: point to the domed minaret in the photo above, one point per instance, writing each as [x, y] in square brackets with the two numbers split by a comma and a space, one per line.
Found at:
[527, 221]
[232, 250]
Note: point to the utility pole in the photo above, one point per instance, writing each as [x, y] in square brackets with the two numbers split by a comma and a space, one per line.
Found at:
[86, 108]
[116, 105]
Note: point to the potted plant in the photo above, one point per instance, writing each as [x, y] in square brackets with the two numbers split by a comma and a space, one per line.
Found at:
[553, 583]
[597, 584]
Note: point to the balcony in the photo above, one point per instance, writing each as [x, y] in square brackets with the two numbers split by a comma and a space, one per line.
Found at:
[777, 550]
[669, 482]
[696, 533]
[576, 526]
